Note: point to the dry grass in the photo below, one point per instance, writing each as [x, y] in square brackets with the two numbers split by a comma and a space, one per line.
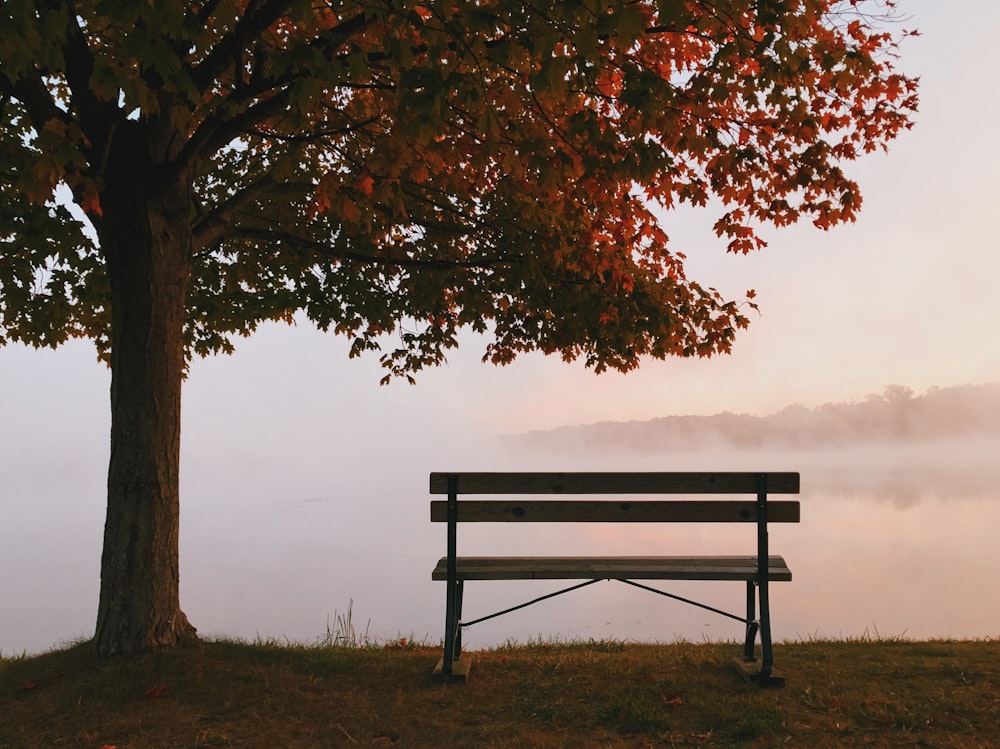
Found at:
[227, 694]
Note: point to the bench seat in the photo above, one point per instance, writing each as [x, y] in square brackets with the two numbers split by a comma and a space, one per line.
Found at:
[742, 568]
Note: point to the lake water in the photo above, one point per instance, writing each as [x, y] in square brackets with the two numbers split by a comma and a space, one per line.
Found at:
[894, 541]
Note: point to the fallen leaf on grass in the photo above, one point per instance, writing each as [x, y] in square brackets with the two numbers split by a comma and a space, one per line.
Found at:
[29, 685]
[153, 692]
[672, 701]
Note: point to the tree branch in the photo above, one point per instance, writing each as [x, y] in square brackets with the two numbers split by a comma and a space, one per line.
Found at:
[211, 228]
[97, 119]
[254, 22]
[207, 10]
[216, 132]
[311, 246]
[36, 98]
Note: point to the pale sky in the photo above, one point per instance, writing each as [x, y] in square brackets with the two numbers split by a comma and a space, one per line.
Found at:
[906, 296]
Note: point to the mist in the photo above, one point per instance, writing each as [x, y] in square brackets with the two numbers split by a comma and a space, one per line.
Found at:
[300, 499]
[893, 446]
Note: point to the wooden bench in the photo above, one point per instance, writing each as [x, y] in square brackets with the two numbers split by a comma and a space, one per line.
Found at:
[756, 570]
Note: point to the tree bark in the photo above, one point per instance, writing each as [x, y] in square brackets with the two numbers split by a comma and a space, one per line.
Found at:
[146, 239]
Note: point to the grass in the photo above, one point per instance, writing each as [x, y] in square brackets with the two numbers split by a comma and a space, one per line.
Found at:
[863, 692]
[342, 633]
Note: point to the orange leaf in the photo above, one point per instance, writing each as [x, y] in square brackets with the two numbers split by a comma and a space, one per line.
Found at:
[154, 692]
[89, 200]
[365, 185]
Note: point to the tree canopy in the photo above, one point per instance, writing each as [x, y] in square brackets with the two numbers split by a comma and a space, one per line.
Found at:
[413, 168]
[172, 174]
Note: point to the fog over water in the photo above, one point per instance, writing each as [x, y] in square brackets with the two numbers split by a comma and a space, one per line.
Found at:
[280, 534]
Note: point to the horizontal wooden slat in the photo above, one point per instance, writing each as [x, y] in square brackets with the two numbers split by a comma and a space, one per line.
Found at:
[600, 568]
[600, 511]
[615, 483]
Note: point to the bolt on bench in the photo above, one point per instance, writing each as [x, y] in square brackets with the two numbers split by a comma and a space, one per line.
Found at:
[756, 570]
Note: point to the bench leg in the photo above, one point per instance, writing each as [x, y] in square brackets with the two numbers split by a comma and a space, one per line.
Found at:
[459, 592]
[767, 656]
[747, 666]
[752, 624]
[452, 632]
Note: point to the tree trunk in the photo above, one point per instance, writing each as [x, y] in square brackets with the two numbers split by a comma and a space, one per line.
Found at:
[146, 239]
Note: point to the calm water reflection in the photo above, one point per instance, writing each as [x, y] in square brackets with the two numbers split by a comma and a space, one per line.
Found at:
[892, 541]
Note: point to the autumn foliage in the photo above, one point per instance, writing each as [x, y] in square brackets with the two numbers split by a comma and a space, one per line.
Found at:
[419, 167]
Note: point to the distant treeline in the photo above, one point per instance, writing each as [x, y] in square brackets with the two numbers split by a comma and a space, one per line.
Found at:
[896, 415]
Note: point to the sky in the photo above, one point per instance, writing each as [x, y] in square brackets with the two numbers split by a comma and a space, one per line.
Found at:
[905, 296]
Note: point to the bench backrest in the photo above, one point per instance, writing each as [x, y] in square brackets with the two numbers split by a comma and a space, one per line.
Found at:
[611, 511]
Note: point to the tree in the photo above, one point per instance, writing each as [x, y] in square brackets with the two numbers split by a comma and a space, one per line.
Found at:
[396, 171]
